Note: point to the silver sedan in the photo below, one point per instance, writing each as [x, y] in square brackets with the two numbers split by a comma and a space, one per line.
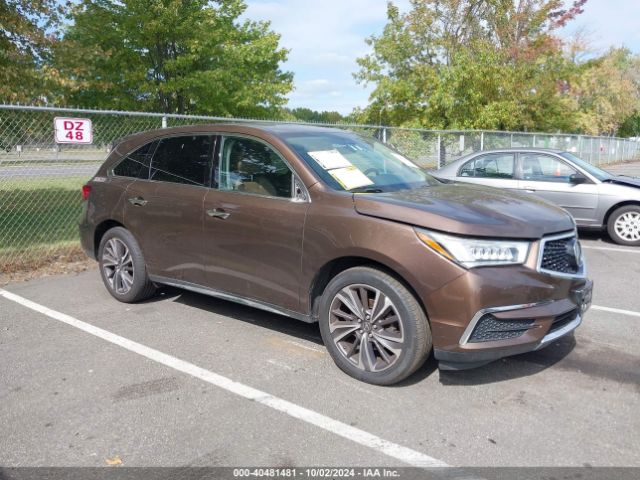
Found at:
[595, 198]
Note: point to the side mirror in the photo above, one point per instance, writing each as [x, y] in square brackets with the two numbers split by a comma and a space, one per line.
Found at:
[577, 179]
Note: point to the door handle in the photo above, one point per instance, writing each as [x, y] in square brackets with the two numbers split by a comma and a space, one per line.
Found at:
[218, 213]
[137, 201]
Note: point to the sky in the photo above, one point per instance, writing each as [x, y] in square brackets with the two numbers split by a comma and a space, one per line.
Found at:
[325, 37]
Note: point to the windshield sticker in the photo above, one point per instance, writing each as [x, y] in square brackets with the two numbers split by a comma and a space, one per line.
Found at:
[408, 163]
[350, 177]
[329, 159]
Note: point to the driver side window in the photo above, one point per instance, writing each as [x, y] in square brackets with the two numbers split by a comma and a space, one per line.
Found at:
[252, 167]
[544, 168]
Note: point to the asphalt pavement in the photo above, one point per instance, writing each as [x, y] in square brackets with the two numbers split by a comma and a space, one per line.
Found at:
[36, 170]
[71, 398]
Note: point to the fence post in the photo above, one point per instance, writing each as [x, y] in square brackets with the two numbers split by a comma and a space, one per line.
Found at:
[384, 135]
[580, 146]
[439, 157]
[534, 141]
[164, 122]
[481, 141]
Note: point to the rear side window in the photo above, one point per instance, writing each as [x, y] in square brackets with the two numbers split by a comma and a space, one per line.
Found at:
[136, 164]
[495, 165]
[185, 159]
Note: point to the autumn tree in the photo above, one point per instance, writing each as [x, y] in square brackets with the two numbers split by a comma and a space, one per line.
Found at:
[607, 92]
[24, 46]
[174, 56]
[471, 64]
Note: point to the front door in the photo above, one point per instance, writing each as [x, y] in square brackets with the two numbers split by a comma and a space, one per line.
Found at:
[549, 177]
[253, 224]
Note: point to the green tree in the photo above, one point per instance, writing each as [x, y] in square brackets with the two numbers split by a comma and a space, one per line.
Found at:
[308, 115]
[630, 127]
[174, 56]
[471, 64]
[24, 46]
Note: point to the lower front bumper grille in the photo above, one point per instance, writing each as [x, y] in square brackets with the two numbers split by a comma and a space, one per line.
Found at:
[490, 329]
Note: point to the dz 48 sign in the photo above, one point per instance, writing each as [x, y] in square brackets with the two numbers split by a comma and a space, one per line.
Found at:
[73, 130]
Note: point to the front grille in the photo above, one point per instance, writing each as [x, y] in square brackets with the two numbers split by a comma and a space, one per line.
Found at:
[558, 256]
[564, 319]
[490, 328]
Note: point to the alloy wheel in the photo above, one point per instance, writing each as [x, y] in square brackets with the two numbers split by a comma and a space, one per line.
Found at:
[117, 266]
[366, 328]
[627, 226]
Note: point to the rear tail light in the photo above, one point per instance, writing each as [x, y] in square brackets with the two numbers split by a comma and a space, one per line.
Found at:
[86, 190]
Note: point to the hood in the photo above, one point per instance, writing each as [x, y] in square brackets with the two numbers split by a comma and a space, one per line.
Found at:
[623, 180]
[467, 209]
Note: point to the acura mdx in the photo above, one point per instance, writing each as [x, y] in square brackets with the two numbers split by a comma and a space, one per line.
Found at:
[326, 226]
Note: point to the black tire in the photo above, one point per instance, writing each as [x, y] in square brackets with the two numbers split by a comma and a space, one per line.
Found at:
[140, 287]
[411, 325]
[631, 215]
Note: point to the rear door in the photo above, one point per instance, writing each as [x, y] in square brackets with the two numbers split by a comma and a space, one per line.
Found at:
[548, 177]
[254, 223]
[491, 169]
[164, 212]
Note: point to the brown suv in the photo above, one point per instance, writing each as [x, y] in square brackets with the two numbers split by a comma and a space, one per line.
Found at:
[325, 226]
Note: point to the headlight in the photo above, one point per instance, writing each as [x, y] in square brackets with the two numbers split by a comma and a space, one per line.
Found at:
[475, 252]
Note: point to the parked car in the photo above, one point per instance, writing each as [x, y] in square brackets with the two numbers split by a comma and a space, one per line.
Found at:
[325, 226]
[595, 198]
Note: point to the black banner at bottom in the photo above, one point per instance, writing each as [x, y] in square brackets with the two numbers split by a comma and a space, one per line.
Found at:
[284, 473]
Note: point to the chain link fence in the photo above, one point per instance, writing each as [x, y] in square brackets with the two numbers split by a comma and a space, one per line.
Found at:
[40, 180]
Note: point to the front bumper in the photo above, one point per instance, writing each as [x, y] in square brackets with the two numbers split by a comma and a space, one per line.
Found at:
[545, 309]
[456, 360]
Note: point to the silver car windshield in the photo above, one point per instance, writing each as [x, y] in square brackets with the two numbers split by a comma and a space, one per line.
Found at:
[591, 169]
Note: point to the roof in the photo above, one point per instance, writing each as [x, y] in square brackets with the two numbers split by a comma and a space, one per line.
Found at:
[521, 149]
[275, 129]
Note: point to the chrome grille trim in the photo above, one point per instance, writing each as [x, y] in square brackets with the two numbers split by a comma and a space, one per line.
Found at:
[581, 273]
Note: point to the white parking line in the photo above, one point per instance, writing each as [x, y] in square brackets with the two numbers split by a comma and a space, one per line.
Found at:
[616, 310]
[404, 454]
[611, 249]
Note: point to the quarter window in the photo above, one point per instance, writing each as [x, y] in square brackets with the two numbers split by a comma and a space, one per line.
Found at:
[495, 165]
[544, 168]
[136, 164]
[185, 159]
[253, 167]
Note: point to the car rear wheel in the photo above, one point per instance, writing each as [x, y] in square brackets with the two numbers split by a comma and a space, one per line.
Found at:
[373, 327]
[624, 225]
[123, 268]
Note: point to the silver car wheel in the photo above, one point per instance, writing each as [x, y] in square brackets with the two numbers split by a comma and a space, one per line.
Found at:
[627, 226]
[117, 266]
[366, 327]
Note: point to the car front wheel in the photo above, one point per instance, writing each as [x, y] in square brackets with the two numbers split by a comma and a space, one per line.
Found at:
[624, 225]
[373, 327]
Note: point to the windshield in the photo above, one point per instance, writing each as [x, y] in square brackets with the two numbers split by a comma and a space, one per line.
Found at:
[591, 169]
[346, 161]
